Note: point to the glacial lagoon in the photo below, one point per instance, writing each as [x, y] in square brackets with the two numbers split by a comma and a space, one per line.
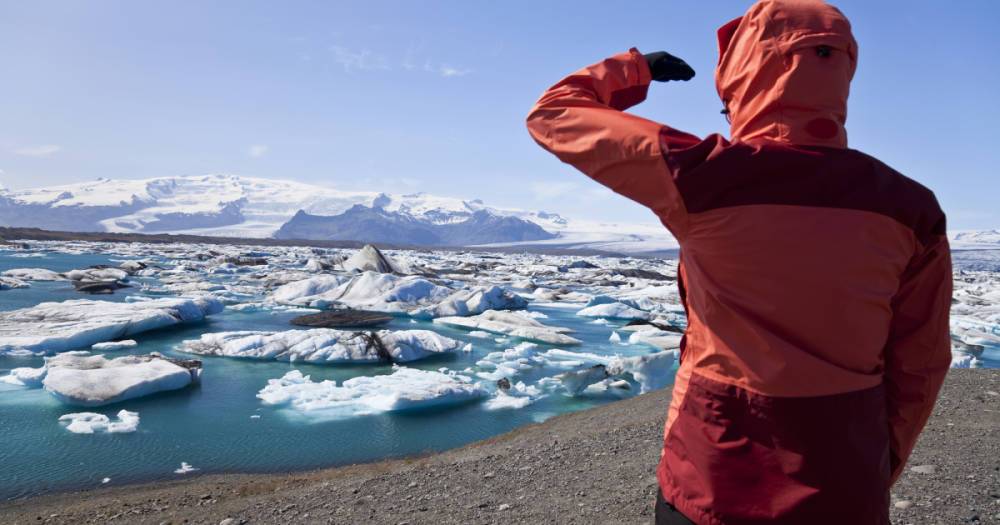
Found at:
[222, 423]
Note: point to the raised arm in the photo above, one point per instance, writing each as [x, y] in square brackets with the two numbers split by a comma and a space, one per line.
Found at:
[582, 121]
[918, 353]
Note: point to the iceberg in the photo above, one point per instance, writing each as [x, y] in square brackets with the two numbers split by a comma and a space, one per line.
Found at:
[114, 345]
[515, 396]
[324, 345]
[511, 362]
[49, 328]
[33, 274]
[613, 310]
[369, 259]
[386, 292]
[403, 389]
[381, 292]
[90, 422]
[652, 371]
[475, 301]
[10, 283]
[25, 376]
[305, 292]
[512, 324]
[97, 274]
[76, 378]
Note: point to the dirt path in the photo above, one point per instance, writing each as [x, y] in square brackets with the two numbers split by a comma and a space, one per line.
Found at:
[594, 466]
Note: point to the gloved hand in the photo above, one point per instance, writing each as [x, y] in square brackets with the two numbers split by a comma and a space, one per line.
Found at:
[665, 66]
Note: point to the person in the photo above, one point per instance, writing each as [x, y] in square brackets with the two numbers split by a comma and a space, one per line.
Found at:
[816, 279]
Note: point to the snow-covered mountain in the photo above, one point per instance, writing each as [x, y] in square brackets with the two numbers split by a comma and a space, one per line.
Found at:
[974, 239]
[230, 205]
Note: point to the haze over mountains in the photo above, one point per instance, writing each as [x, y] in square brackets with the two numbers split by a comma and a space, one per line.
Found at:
[235, 206]
[230, 205]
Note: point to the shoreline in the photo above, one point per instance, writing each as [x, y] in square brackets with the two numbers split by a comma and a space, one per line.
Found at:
[591, 466]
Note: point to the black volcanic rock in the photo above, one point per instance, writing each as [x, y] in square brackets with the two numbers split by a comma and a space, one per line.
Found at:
[377, 225]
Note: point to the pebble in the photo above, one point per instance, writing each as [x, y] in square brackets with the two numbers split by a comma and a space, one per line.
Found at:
[924, 469]
[903, 504]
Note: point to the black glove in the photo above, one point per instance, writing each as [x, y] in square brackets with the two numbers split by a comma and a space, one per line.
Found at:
[665, 66]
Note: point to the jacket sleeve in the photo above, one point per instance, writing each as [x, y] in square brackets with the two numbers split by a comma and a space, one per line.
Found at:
[918, 353]
[581, 120]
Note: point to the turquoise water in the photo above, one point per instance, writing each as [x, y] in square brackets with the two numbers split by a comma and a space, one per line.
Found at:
[210, 425]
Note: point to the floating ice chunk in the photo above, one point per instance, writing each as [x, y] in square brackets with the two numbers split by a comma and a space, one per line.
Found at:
[105, 480]
[576, 381]
[652, 371]
[508, 323]
[518, 395]
[324, 345]
[475, 301]
[305, 292]
[655, 337]
[960, 360]
[185, 468]
[94, 380]
[480, 334]
[90, 422]
[368, 291]
[11, 283]
[404, 389]
[369, 259]
[113, 345]
[25, 376]
[615, 338]
[613, 311]
[510, 362]
[56, 327]
[97, 274]
[34, 274]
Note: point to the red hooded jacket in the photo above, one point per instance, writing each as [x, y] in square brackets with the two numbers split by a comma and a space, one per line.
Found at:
[817, 280]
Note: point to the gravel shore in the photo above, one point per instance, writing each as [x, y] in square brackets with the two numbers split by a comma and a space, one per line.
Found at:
[594, 466]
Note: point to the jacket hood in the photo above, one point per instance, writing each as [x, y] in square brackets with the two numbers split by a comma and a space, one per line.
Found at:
[784, 72]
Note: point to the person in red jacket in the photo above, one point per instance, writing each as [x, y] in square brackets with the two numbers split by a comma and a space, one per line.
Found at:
[816, 279]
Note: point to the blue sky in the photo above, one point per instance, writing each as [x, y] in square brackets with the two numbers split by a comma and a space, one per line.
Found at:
[403, 96]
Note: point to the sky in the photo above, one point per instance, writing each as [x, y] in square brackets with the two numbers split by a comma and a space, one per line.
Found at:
[401, 96]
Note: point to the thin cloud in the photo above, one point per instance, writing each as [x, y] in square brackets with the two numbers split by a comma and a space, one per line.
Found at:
[363, 60]
[353, 60]
[549, 190]
[38, 151]
[448, 71]
[257, 150]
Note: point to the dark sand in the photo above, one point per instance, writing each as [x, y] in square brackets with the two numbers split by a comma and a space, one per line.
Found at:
[594, 466]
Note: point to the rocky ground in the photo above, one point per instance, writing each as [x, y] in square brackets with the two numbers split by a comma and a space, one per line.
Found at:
[594, 466]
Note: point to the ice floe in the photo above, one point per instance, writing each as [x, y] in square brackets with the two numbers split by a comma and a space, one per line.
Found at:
[512, 324]
[403, 389]
[114, 345]
[324, 345]
[76, 378]
[613, 310]
[48, 328]
[185, 468]
[11, 283]
[91, 422]
[34, 274]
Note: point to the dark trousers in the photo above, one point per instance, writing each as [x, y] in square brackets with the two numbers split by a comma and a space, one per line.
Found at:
[666, 514]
